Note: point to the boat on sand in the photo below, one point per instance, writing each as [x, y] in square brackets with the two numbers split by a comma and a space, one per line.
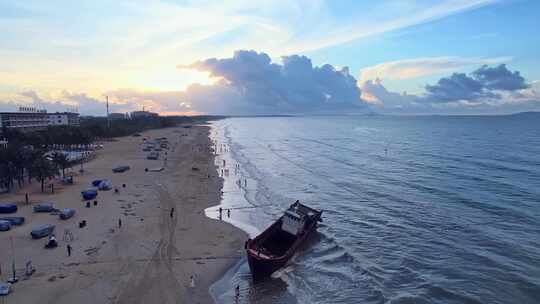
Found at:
[120, 169]
[8, 208]
[66, 213]
[5, 225]
[13, 220]
[44, 207]
[89, 194]
[271, 249]
[42, 231]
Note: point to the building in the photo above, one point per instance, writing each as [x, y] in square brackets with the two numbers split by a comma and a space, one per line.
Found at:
[27, 119]
[32, 119]
[143, 114]
[63, 119]
[118, 116]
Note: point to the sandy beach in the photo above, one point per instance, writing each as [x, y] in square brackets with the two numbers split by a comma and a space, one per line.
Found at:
[152, 256]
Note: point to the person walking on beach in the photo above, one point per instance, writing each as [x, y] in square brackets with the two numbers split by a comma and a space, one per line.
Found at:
[220, 212]
[237, 291]
[69, 250]
[228, 212]
[119, 223]
[172, 212]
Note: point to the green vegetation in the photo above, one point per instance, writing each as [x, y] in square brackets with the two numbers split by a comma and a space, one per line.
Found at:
[26, 155]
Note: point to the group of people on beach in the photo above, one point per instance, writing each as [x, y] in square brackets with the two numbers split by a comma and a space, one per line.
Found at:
[221, 213]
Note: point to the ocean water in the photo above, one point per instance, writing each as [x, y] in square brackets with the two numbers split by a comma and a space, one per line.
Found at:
[433, 209]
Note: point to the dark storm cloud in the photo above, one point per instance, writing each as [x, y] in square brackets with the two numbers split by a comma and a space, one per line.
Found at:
[482, 83]
[485, 90]
[456, 87]
[252, 84]
[499, 78]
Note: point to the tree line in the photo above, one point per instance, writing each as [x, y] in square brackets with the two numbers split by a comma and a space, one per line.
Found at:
[28, 156]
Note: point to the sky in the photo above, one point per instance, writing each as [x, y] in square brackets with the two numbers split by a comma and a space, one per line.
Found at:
[271, 57]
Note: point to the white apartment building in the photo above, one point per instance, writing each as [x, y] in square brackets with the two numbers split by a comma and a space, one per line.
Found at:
[63, 119]
[31, 119]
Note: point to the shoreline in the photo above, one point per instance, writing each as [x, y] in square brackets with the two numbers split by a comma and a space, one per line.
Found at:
[152, 256]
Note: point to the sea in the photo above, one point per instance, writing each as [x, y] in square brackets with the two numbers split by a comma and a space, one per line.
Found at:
[416, 209]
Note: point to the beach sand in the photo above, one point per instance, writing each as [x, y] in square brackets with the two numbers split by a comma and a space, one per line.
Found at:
[152, 257]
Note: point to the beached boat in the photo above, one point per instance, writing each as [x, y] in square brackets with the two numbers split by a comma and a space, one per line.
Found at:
[5, 225]
[5, 288]
[44, 207]
[89, 194]
[153, 155]
[120, 169]
[13, 220]
[8, 208]
[67, 213]
[96, 182]
[67, 180]
[42, 231]
[105, 185]
[271, 250]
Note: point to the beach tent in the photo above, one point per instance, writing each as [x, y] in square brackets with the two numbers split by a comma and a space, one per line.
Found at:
[8, 208]
[5, 225]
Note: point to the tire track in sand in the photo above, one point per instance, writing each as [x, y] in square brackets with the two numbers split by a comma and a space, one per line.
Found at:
[158, 282]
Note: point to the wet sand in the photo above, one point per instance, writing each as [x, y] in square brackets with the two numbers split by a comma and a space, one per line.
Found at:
[153, 256]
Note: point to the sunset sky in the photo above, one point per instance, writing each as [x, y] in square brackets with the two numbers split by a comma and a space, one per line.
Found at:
[57, 54]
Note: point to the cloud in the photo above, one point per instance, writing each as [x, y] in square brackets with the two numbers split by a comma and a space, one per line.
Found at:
[135, 41]
[164, 102]
[418, 67]
[64, 101]
[456, 87]
[250, 83]
[500, 78]
[484, 83]
[373, 91]
[485, 90]
[383, 17]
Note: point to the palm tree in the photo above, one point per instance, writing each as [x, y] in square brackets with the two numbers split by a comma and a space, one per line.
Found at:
[43, 168]
[6, 176]
[61, 161]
